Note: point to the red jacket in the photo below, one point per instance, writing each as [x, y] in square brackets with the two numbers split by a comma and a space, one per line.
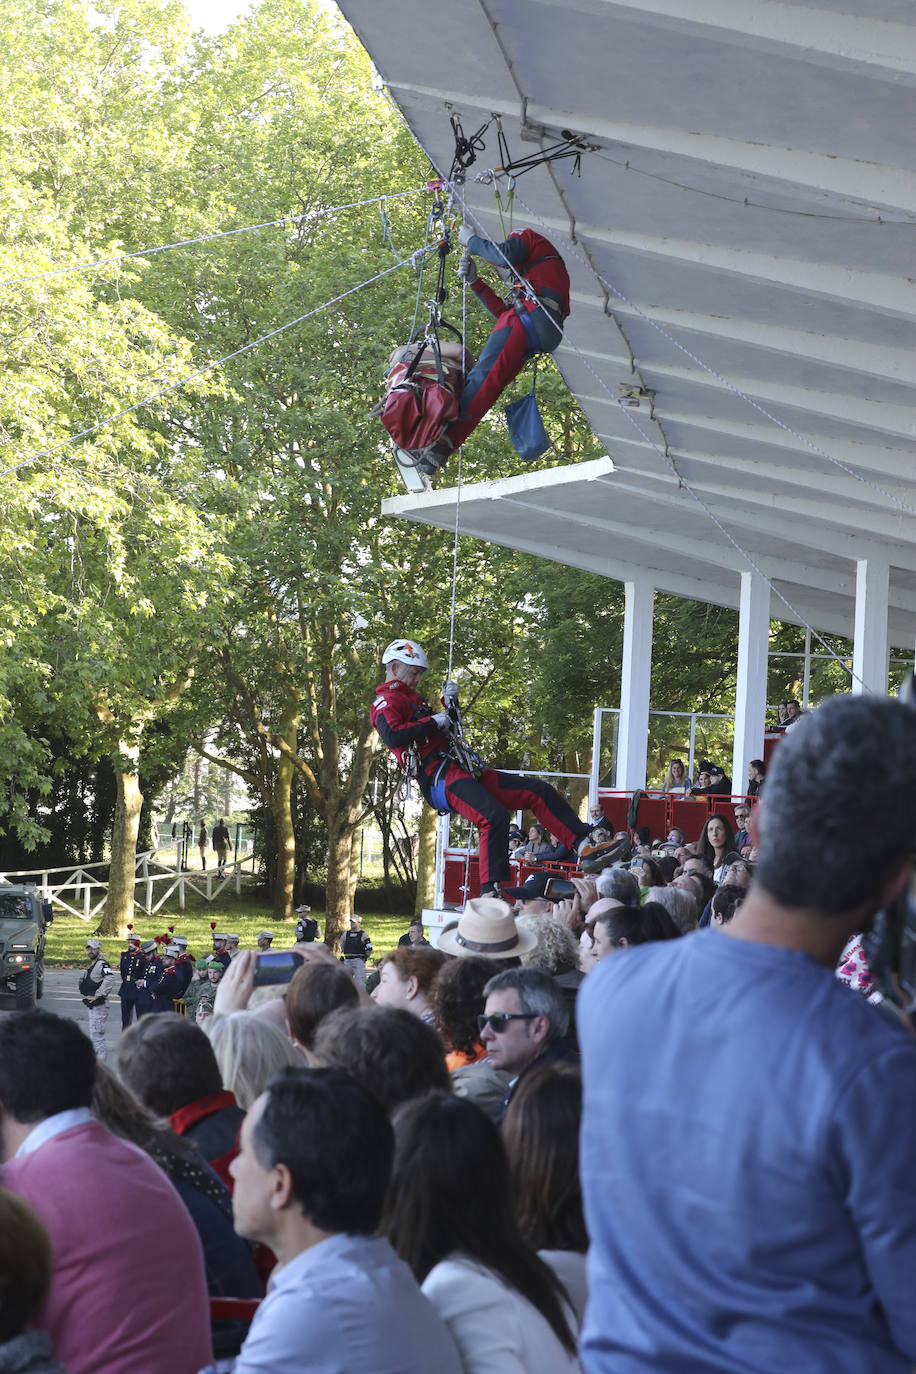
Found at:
[547, 273]
[402, 718]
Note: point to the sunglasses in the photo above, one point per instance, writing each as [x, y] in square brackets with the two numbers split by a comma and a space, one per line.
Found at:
[498, 1021]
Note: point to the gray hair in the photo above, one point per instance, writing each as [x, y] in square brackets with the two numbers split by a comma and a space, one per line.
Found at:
[538, 995]
[556, 951]
[249, 1051]
[618, 883]
[860, 752]
[680, 906]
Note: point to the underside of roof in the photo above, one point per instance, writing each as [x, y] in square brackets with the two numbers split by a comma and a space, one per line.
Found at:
[741, 240]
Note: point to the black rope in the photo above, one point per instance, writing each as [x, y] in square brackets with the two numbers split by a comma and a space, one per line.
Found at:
[466, 149]
[568, 145]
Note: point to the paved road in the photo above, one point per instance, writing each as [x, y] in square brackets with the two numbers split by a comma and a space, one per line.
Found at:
[61, 996]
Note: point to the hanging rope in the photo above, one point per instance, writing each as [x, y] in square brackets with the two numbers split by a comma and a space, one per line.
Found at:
[198, 372]
[682, 482]
[325, 213]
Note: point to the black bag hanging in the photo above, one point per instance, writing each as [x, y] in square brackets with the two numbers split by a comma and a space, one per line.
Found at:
[526, 428]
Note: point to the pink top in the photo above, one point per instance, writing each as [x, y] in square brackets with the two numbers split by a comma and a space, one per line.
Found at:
[129, 1293]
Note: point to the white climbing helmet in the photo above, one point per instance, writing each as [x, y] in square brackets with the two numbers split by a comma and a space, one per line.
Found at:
[405, 651]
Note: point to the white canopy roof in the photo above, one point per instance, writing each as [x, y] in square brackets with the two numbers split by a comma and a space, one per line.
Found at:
[751, 196]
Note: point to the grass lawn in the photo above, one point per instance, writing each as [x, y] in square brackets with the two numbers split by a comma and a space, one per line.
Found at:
[240, 915]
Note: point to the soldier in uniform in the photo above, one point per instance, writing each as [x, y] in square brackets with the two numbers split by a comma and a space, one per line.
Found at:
[219, 949]
[96, 986]
[144, 999]
[133, 968]
[356, 948]
[306, 926]
[232, 945]
[170, 984]
[265, 940]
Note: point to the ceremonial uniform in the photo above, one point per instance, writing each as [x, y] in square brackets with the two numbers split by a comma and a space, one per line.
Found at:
[524, 326]
[403, 720]
[96, 985]
[133, 967]
[356, 948]
[170, 984]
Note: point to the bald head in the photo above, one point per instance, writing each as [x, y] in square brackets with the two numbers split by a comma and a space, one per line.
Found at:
[602, 907]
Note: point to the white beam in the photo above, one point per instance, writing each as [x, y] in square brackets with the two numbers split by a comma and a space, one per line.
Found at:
[869, 653]
[635, 682]
[751, 690]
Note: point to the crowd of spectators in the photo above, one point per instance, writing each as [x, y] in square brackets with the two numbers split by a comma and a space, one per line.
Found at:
[391, 1184]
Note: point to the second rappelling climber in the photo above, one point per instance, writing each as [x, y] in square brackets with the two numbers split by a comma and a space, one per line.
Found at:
[530, 321]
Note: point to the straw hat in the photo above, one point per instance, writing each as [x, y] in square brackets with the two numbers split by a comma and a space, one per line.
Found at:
[486, 930]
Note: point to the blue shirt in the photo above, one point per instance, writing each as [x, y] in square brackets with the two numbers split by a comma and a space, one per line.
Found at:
[347, 1306]
[748, 1166]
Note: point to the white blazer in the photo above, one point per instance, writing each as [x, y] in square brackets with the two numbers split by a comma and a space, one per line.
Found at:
[496, 1330]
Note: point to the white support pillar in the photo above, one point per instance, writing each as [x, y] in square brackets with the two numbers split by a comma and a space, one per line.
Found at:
[751, 689]
[635, 679]
[869, 652]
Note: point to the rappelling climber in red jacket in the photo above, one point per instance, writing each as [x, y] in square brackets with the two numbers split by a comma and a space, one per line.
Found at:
[422, 738]
[530, 321]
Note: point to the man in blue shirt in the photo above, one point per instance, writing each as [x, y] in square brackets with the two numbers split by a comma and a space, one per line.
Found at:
[310, 1180]
[749, 1133]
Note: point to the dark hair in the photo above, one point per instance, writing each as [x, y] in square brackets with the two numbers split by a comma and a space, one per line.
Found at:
[450, 1191]
[167, 1061]
[124, 1114]
[420, 962]
[758, 764]
[542, 831]
[390, 1051]
[708, 886]
[47, 1065]
[643, 833]
[541, 1134]
[656, 877]
[858, 751]
[638, 925]
[726, 902]
[458, 1000]
[705, 849]
[314, 991]
[335, 1139]
[539, 994]
[25, 1264]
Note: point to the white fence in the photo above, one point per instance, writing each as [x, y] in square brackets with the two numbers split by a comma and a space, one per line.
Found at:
[81, 890]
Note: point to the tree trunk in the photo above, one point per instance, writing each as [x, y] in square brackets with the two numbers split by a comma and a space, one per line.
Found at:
[281, 806]
[355, 846]
[119, 904]
[337, 904]
[426, 860]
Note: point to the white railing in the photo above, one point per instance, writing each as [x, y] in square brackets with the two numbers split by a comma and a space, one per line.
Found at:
[82, 891]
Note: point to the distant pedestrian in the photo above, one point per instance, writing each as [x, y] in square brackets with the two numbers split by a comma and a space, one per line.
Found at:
[202, 840]
[306, 926]
[96, 985]
[221, 842]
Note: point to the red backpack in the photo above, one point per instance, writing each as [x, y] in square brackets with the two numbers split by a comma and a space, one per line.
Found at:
[423, 388]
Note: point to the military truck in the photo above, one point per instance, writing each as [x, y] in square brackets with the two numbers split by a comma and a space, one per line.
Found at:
[24, 919]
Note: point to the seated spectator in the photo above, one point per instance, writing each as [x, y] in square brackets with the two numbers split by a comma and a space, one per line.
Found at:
[742, 820]
[25, 1281]
[667, 866]
[681, 906]
[249, 1051]
[557, 953]
[647, 874]
[588, 950]
[393, 1054]
[724, 905]
[487, 927]
[676, 780]
[624, 926]
[599, 836]
[720, 784]
[414, 935]
[524, 1023]
[537, 845]
[168, 1063]
[314, 992]
[541, 1137]
[407, 977]
[310, 1181]
[450, 1216]
[618, 884]
[229, 1263]
[529, 897]
[756, 777]
[642, 841]
[128, 1288]
[596, 814]
[458, 1001]
[702, 785]
[716, 841]
[781, 709]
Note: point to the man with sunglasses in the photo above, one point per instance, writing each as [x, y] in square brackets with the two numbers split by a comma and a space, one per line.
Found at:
[525, 1019]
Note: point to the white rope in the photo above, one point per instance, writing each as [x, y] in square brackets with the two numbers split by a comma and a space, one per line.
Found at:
[324, 213]
[451, 631]
[198, 372]
[682, 482]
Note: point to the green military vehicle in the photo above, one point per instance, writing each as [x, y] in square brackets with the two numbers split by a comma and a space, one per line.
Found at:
[24, 920]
